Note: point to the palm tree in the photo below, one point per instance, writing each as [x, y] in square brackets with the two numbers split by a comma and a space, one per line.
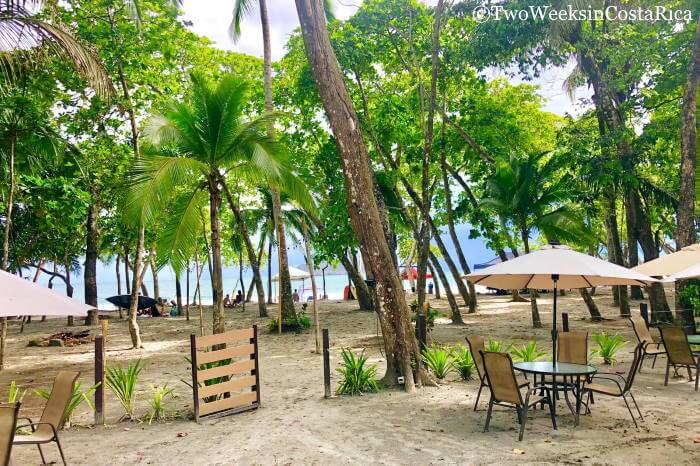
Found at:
[240, 9]
[25, 35]
[193, 147]
[530, 193]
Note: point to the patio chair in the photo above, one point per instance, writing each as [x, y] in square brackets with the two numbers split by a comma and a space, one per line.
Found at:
[572, 347]
[678, 352]
[8, 421]
[505, 390]
[476, 346]
[650, 347]
[622, 384]
[46, 430]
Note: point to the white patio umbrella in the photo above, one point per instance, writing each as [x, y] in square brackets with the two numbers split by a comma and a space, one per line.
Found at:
[294, 274]
[20, 297]
[556, 267]
[691, 272]
[671, 264]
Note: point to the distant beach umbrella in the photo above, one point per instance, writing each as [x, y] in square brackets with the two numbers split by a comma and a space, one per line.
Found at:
[124, 301]
[556, 267]
[673, 264]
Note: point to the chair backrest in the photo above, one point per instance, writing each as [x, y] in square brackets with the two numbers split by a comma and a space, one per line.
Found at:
[572, 347]
[641, 330]
[476, 346]
[634, 368]
[8, 421]
[677, 346]
[61, 394]
[499, 372]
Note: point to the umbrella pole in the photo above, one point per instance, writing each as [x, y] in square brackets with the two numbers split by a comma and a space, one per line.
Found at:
[555, 278]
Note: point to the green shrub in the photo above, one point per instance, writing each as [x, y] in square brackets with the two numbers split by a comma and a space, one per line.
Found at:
[494, 346]
[76, 399]
[463, 362]
[122, 383]
[158, 402]
[439, 360]
[357, 379]
[690, 298]
[608, 346]
[16, 394]
[291, 324]
[429, 318]
[527, 353]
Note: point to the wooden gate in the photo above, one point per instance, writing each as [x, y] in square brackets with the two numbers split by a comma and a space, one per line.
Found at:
[225, 374]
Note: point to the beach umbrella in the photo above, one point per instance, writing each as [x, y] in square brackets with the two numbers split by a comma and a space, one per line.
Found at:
[294, 274]
[691, 272]
[556, 267]
[20, 297]
[671, 264]
[124, 301]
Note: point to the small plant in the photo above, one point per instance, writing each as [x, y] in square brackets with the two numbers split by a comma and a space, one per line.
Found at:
[357, 379]
[439, 360]
[122, 383]
[158, 402]
[527, 353]
[494, 346]
[463, 362]
[429, 318]
[294, 324]
[16, 394]
[608, 346]
[76, 399]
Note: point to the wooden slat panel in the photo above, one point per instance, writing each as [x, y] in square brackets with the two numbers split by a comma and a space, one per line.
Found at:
[221, 338]
[230, 386]
[228, 353]
[229, 369]
[227, 403]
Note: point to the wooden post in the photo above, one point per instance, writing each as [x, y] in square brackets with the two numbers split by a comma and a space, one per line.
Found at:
[254, 356]
[104, 325]
[195, 386]
[644, 311]
[326, 365]
[565, 321]
[99, 380]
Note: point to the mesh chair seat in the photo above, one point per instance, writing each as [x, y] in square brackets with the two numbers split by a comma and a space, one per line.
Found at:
[40, 436]
[605, 389]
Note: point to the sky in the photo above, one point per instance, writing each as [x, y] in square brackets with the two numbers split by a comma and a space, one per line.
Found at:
[211, 18]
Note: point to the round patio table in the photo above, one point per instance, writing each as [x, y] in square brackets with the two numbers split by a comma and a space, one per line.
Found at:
[694, 339]
[577, 372]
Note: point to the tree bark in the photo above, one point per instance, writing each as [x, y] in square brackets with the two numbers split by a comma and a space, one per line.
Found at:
[69, 292]
[590, 304]
[178, 294]
[91, 253]
[117, 270]
[362, 293]
[217, 283]
[436, 280]
[399, 339]
[536, 321]
[686, 234]
[252, 258]
[269, 271]
[134, 331]
[187, 292]
[615, 249]
[154, 275]
[127, 281]
[455, 315]
[310, 265]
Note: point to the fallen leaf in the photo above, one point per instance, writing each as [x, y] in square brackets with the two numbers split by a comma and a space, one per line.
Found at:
[518, 451]
[182, 434]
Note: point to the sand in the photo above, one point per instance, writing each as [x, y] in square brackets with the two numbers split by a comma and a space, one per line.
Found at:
[296, 425]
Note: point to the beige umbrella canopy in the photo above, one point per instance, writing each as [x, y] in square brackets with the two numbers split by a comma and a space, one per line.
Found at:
[294, 274]
[691, 272]
[556, 266]
[22, 297]
[671, 263]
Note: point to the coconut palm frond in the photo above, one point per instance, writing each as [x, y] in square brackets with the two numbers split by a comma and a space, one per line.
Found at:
[241, 8]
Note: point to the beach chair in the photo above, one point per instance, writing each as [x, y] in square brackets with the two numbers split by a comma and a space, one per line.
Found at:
[476, 346]
[46, 430]
[678, 352]
[8, 421]
[649, 346]
[617, 385]
[505, 390]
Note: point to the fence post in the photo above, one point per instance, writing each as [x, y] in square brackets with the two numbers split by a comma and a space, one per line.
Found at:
[99, 380]
[565, 321]
[644, 311]
[326, 365]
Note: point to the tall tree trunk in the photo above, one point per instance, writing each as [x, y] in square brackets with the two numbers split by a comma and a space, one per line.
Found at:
[632, 248]
[91, 253]
[136, 279]
[400, 343]
[217, 283]
[187, 292]
[8, 210]
[436, 281]
[240, 277]
[454, 271]
[178, 294]
[453, 235]
[362, 293]
[615, 254]
[127, 281]
[536, 321]
[154, 275]
[310, 265]
[69, 291]
[252, 258]
[261, 248]
[117, 271]
[686, 235]
[269, 271]
[591, 305]
[455, 315]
